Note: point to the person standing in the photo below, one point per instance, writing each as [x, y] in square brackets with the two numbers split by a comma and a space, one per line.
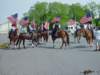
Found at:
[97, 38]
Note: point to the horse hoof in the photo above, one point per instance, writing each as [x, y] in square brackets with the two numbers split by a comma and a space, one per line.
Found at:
[33, 45]
[19, 48]
[15, 46]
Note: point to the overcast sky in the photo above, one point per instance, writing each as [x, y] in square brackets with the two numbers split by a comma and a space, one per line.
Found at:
[9, 7]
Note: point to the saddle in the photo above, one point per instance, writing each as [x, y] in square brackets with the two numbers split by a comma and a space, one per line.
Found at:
[12, 32]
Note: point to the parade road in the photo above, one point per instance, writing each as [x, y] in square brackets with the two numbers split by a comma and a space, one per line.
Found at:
[46, 60]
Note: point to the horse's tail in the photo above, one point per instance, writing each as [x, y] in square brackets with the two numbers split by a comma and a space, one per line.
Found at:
[67, 37]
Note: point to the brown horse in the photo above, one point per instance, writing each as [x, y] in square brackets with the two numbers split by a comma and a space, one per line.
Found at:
[13, 37]
[77, 35]
[43, 34]
[24, 36]
[64, 37]
[87, 34]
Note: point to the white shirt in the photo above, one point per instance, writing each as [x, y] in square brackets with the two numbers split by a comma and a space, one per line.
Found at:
[23, 29]
[58, 25]
[97, 34]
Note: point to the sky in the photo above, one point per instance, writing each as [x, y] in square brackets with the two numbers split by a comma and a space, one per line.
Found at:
[9, 7]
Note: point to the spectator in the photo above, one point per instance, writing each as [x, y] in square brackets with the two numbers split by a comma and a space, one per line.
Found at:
[97, 37]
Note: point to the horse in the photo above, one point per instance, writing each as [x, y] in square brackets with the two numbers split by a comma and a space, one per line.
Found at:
[77, 35]
[43, 34]
[12, 35]
[86, 34]
[25, 36]
[64, 37]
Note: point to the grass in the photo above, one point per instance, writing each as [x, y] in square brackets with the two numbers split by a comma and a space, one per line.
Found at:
[4, 45]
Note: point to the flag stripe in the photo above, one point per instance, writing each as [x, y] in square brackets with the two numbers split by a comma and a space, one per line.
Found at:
[13, 18]
[71, 22]
[24, 21]
[56, 19]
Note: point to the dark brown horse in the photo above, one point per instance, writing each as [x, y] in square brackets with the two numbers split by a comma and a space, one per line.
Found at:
[12, 35]
[86, 34]
[77, 35]
[24, 36]
[43, 34]
[64, 37]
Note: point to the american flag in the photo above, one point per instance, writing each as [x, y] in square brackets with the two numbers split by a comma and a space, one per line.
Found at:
[24, 21]
[33, 24]
[46, 25]
[86, 18]
[13, 18]
[71, 22]
[56, 19]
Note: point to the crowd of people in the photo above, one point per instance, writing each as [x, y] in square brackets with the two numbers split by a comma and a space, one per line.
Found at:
[29, 27]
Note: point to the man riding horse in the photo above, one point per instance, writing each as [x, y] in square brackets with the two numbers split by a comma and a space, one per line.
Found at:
[13, 29]
[56, 28]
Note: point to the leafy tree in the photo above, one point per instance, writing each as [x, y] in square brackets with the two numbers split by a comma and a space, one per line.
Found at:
[43, 11]
[76, 11]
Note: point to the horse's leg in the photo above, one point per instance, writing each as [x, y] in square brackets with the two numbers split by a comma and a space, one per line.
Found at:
[15, 43]
[47, 38]
[75, 37]
[78, 39]
[88, 41]
[53, 43]
[66, 41]
[19, 43]
[10, 41]
[33, 43]
[24, 43]
[62, 43]
[91, 42]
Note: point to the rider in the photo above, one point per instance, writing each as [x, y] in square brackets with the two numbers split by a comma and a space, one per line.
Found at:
[89, 27]
[23, 29]
[32, 27]
[13, 28]
[45, 26]
[77, 29]
[56, 27]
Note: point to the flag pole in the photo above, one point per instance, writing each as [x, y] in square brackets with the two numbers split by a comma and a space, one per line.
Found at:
[8, 27]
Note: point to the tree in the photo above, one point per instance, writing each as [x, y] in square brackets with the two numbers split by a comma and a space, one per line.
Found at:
[43, 11]
[76, 11]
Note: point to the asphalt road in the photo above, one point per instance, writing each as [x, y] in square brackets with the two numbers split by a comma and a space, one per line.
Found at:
[46, 60]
